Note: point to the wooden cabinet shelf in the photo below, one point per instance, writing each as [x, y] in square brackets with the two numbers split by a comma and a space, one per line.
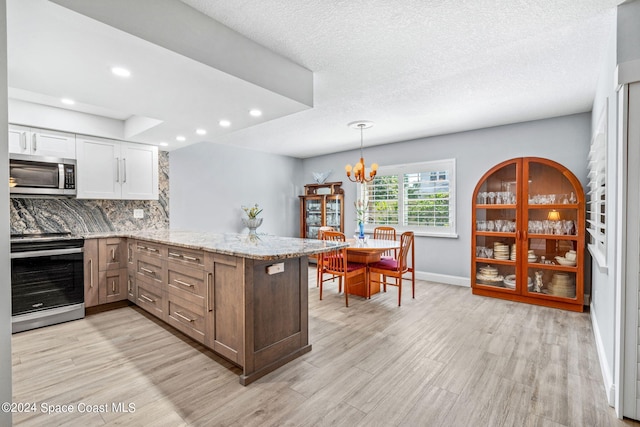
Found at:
[544, 219]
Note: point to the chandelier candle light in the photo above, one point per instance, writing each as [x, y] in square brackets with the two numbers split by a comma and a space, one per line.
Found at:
[359, 173]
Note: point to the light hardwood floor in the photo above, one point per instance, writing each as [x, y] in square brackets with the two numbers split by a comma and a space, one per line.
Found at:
[447, 358]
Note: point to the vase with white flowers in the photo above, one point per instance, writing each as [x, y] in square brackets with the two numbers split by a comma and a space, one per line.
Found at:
[361, 212]
[252, 222]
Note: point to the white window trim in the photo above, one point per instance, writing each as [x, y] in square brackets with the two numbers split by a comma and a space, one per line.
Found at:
[434, 165]
[597, 165]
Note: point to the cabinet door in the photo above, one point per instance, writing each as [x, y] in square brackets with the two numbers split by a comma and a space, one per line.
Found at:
[334, 212]
[113, 286]
[112, 253]
[312, 219]
[98, 168]
[224, 305]
[53, 144]
[91, 279]
[139, 172]
[554, 220]
[495, 248]
[19, 139]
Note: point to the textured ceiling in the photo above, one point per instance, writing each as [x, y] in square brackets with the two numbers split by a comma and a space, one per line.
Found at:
[415, 68]
[421, 67]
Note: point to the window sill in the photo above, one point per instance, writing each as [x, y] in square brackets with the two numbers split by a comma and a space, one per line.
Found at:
[600, 259]
[419, 233]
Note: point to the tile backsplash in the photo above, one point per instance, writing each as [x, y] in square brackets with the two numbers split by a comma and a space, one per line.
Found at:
[35, 215]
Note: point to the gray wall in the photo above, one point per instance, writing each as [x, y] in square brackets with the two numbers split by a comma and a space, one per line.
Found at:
[210, 183]
[5, 266]
[563, 139]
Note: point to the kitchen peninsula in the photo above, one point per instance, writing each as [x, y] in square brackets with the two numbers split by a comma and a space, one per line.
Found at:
[244, 296]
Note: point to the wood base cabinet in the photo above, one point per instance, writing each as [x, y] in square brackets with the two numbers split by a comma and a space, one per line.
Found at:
[105, 271]
[528, 234]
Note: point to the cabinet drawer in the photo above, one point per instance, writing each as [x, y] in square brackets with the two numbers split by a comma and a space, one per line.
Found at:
[187, 279]
[149, 298]
[150, 268]
[187, 317]
[111, 254]
[186, 256]
[149, 248]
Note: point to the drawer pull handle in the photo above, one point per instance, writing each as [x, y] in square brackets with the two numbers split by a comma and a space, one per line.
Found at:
[190, 258]
[183, 317]
[146, 270]
[146, 248]
[91, 273]
[113, 254]
[180, 282]
[113, 286]
[146, 298]
[209, 277]
[129, 285]
[173, 254]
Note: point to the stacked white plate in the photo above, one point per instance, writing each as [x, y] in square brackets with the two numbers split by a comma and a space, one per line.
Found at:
[513, 252]
[562, 285]
[510, 282]
[488, 275]
[500, 251]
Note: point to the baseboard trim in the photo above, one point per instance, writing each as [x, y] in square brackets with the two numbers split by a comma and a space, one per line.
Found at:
[609, 386]
[443, 278]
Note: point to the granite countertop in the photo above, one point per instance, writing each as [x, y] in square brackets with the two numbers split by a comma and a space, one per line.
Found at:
[260, 246]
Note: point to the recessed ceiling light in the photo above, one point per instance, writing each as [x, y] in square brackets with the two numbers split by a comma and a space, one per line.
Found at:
[255, 112]
[225, 123]
[164, 144]
[201, 131]
[180, 138]
[67, 101]
[120, 72]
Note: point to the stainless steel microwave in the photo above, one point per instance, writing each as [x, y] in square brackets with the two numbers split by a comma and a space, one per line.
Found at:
[41, 175]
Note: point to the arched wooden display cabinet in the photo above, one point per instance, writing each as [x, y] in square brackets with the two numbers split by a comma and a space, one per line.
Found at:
[528, 222]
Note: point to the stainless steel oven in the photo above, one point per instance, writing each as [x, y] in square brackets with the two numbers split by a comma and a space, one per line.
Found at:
[47, 280]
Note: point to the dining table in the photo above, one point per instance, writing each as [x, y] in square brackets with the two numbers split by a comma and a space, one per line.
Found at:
[367, 251]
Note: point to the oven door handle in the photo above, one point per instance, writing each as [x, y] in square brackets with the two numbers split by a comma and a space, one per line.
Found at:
[51, 252]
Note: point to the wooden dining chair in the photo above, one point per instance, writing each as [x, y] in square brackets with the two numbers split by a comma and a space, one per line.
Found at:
[335, 263]
[386, 233]
[391, 271]
[319, 274]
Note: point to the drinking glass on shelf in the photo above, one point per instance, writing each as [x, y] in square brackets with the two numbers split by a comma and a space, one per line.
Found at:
[492, 197]
[490, 226]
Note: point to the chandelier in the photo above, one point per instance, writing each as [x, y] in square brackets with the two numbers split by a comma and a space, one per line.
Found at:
[359, 171]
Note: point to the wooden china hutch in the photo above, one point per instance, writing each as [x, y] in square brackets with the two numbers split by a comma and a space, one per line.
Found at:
[321, 205]
[528, 234]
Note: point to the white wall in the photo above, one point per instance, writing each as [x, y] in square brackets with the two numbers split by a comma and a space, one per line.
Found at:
[5, 266]
[563, 139]
[210, 182]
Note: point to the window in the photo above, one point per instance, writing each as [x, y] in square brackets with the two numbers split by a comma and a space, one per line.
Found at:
[597, 195]
[418, 197]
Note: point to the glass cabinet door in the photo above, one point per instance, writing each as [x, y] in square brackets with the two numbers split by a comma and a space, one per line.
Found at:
[553, 218]
[313, 216]
[333, 212]
[496, 220]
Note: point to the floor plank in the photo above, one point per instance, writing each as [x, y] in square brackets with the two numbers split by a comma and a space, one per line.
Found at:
[446, 358]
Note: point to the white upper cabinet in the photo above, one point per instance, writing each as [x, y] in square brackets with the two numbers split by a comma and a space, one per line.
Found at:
[108, 169]
[41, 142]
